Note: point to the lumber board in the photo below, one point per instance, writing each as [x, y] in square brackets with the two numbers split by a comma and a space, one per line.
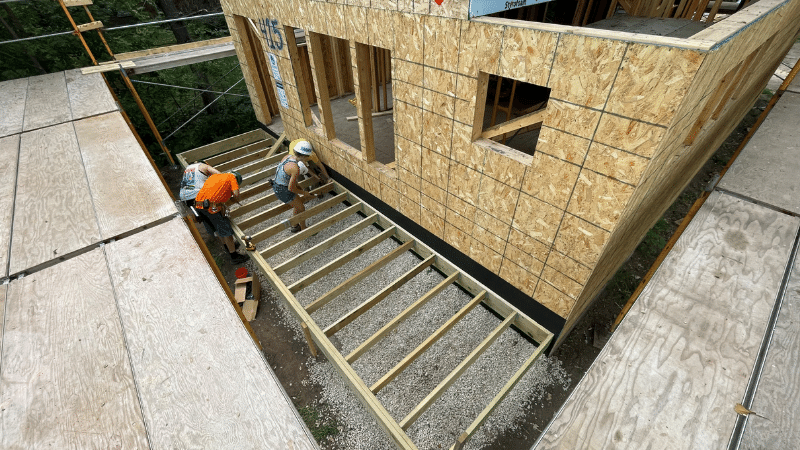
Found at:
[340, 261]
[514, 124]
[162, 61]
[72, 3]
[66, 380]
[13, 95]
[172, 48]
[274, 211]
[53, 215]
[240, 156]
[47, 102]
[215, 148]
[375, 299]
[777, 400]
[456, 373]
[687, 347]
[107, 67]
[263, 201]
[9, 154]
[88, 94]
[324, 245]
[766, 169]
[202, 381]
[84, 27]
[126, 191]
[426, 344]
[398, 319]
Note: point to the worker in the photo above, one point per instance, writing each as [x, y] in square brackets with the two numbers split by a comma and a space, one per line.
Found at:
[286, 175]
[322, 173]
[193, 178]
[211, 203]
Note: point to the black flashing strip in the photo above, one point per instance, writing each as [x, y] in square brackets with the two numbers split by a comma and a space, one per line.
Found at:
[267, 129]
[533, 309]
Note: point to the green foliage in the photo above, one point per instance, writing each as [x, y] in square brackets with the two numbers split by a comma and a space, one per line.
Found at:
[320, 431]
[654, 241]
[622, 286]
[170, 108]
[767, 92]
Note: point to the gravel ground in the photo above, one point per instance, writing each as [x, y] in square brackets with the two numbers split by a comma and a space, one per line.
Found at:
[451, 414]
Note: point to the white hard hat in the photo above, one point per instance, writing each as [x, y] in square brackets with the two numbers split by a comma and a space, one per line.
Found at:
[303, 148]
[303, 168]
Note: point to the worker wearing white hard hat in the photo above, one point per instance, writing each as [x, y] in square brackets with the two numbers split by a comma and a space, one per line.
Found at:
[286, 186]
[302, 146]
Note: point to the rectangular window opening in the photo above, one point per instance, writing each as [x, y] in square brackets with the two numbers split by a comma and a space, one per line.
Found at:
[513, 112]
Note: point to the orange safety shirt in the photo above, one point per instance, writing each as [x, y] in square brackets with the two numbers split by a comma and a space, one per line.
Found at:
[218, 188]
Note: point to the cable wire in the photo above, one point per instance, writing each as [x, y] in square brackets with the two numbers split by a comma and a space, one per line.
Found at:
[188, 88]
[198, 112]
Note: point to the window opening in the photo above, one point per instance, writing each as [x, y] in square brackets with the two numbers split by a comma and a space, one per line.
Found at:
[513, 112]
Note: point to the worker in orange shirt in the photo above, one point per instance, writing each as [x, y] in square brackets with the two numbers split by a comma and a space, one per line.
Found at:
[210, 203]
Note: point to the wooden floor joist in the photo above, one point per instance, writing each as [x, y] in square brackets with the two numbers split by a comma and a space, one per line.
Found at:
[274, 239]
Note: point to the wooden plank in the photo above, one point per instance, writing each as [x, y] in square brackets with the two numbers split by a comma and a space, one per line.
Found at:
[514, 124]
[340, 261]
[295, 219]
[324, 245]
[53, 215]
[13, 95]
[108, 67]
[117, 169]
[88, 95]
[367, 271]
[66, 379]
[257, 152]
[214, 148]
[398, 319]
[777, 402]
[426, 344]
[172, 48]
[364, 96]
[453, 376]
[321, 75]
[501, 395]
[375, 299]
[204, 376]
[298, 66]
[72, 3]
[712, 296]
[277, 145]
[47, 101]
[254, 205]
[274, 211]
[236, 152]
[772, 150]
[84, 27]
[9, 154]
[182, 58]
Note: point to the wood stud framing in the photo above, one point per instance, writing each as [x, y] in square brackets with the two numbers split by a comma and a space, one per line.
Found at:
[318, 338]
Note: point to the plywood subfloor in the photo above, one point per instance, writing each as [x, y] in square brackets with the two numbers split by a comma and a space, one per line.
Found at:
[767, 168]
[47, 102]
[88, 94]
[679, 28]
[65, 379]
[9, 150]
[202, 382]
[12, 103]
[53, 212]
[681, 359]
[126, 192]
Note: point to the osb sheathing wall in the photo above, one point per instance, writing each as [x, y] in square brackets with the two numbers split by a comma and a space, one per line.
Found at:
[610, 157]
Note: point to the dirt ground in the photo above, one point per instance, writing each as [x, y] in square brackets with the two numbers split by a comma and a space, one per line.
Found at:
[289, 356]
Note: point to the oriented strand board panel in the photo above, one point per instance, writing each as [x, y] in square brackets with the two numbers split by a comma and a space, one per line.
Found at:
[53, 213]
[48, 102]
[202, 381]
[126, 191]
[767, 169]
[88, 94]
[12, 104]
[65, 379]
[777, 400]
[686, 349]
[9, 151]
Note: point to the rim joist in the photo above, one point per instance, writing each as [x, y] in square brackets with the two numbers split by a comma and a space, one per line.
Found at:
[261, 228]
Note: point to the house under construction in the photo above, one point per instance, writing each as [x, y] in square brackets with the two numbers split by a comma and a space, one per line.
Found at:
[544, 152]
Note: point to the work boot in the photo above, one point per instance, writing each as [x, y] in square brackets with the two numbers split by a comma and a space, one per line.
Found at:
[238, 258]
